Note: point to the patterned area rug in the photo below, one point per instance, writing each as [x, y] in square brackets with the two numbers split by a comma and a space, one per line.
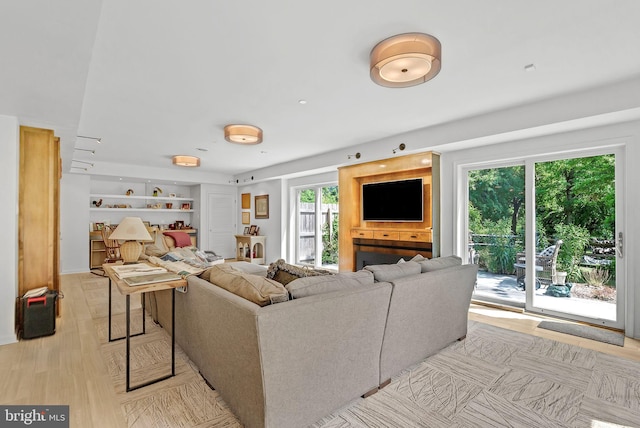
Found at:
[494, 378]
[586, 331]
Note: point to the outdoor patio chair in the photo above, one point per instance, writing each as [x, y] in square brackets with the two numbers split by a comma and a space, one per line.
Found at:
[545, 266]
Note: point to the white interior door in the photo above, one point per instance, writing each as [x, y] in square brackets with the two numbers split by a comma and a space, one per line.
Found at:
[222, 224]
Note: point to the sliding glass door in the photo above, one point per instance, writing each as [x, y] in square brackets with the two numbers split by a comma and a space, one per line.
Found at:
[562, 254]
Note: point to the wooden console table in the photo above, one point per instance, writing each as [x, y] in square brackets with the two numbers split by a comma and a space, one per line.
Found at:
[251, 248]
[127, 291]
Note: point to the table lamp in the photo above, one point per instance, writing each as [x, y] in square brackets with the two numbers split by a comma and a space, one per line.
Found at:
[131, 230]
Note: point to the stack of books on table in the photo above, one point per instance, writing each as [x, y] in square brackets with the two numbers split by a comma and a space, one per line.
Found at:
[142, 273]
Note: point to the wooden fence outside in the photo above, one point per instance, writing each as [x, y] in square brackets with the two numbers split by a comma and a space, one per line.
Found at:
[307, 228]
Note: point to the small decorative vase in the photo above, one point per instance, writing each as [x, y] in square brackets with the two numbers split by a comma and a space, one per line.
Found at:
[169, 205]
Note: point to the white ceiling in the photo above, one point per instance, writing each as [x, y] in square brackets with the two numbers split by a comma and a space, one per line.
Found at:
[156, 78]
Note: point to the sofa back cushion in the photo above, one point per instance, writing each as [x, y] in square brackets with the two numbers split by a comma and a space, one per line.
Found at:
[312, 285]
[429, 265]
[257, 289]
[388, 273]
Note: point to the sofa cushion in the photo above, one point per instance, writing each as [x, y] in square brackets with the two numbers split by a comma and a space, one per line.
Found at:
[158, 248]
[181, 239]
[284, 273]
[257, 289]
[388, 273]
[312, 285]
[429, 265]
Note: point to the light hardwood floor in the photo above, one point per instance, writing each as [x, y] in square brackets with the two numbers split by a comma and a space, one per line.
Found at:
[71, 367]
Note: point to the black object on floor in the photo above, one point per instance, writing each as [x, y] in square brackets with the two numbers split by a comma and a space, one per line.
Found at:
[586, 331]
[39, 315]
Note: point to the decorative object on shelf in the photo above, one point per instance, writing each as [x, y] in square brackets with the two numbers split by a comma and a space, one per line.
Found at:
[179, 224]
[172, 195]
[131, 230]
[401, 147]
[405, 60]
[157, 191]
[169, 205]
[246, 217]
[246, 230]
[97, 203]
[186, 160]
[246, 201]
[252, 229]
[186, 206]
[147, 224]
[243, 134]
[130, 192]
[262, 206]
[99, 226]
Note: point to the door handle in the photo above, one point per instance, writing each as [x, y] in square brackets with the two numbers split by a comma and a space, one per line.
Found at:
[620, 245]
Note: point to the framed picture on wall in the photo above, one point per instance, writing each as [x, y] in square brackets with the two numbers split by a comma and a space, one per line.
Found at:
[246, 217]
[246, 201]
[262, 206]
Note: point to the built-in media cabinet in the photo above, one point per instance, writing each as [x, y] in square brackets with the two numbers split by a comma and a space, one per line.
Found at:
[397, 238]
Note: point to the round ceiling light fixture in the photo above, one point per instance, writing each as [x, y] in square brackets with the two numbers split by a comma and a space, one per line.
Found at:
[184, 160]
[405, 60]
[243, 134]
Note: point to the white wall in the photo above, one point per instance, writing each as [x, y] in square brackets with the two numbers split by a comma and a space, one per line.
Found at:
[9, 142]
[627, 134]
[74, 223]
[271, 227]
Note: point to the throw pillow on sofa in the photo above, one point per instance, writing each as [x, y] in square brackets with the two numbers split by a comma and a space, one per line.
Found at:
[429, 265]
[257, 289]
[179, 239]
[388, 273]
[284, 273]
[312, 285]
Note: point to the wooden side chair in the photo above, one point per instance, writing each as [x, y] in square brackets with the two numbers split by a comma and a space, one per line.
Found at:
[111, 246]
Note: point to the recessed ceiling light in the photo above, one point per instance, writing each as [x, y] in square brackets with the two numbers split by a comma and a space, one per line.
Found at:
[202, 149]
[302, 101]
[530, 67]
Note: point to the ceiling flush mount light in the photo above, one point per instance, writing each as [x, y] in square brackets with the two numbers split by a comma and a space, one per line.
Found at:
[243, 134]
[184, 160]
[405, 60]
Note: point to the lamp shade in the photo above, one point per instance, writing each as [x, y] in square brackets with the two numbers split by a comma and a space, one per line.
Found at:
[132, 230]
[405, 60]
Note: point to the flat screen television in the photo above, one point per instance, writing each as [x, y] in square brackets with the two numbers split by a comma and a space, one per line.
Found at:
[400, 200]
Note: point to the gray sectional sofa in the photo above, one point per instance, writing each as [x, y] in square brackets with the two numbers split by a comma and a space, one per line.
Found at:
[341, 337]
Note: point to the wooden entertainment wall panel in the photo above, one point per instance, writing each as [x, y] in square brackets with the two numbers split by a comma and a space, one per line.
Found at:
[399, 238]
